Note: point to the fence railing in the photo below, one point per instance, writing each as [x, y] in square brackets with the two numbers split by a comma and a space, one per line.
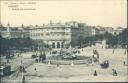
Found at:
[68, 62]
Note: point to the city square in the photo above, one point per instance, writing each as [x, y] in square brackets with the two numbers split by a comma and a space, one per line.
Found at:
[63, 41]
[81, 72]
[77, 73]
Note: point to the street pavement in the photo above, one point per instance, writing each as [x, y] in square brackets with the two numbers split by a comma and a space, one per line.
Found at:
[15, 63]
[82, 73]
[40, 72]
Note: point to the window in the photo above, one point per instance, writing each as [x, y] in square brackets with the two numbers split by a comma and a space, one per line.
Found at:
[35, 34]
[62, 44]
[47, 34]
[53, 45]
[38, 34]
[58, 44]
[67, 33]
[42, 34]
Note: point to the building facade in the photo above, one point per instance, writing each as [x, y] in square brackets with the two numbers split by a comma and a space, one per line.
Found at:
[14, 32]
[117, 31]
[53, 35]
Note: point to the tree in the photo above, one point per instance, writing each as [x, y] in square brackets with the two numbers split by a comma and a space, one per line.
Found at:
[123, 37]
[81, 41]
[14, 44]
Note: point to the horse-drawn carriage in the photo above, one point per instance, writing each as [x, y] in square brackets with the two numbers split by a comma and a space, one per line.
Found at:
[105, 64]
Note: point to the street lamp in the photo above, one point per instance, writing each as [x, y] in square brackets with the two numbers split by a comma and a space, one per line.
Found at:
[22, 78]
[127, 50]
[127, 59]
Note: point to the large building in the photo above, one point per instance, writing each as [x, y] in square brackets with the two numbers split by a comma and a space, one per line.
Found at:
[53, 35]
[14, 32]
[117, 31]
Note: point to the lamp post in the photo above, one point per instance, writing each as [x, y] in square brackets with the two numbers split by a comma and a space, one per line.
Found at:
[22, 78]
[127, 59]
[127, 50]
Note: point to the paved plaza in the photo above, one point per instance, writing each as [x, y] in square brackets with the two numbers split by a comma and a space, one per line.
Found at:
[41, 72]
[81, 72]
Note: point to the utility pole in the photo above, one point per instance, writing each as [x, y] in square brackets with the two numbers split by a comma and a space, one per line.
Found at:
[22, 79]
[127, 50]
[22, 74]
[127, 59]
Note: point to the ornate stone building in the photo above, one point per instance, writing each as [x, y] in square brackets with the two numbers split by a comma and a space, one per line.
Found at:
[53, 35]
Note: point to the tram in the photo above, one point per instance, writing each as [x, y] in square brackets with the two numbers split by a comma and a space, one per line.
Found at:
[5, 70]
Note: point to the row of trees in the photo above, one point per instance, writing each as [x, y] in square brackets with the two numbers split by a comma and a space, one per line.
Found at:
[123, 38]
[112, 40]
[6, 45]
[27, 43]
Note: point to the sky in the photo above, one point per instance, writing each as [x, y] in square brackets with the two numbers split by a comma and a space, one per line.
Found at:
[107, 13]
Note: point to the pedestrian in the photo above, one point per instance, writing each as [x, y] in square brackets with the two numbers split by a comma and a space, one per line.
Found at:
[57, 64]
[124, 63]
[113, 51]
[107, 63]
[35, 69]
[23, 80]
[49, 62]
[114, 72]
[72, 64]
[36, 60]
[24, 69]
[21, 69]
[125, 52]
[95, 73]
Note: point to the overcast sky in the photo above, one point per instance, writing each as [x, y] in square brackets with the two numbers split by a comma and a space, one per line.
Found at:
[111, 13]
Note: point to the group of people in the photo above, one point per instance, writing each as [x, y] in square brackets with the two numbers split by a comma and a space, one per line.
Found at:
[114, 72]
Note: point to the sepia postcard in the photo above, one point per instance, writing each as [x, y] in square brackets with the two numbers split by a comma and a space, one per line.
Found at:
[44, 41]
